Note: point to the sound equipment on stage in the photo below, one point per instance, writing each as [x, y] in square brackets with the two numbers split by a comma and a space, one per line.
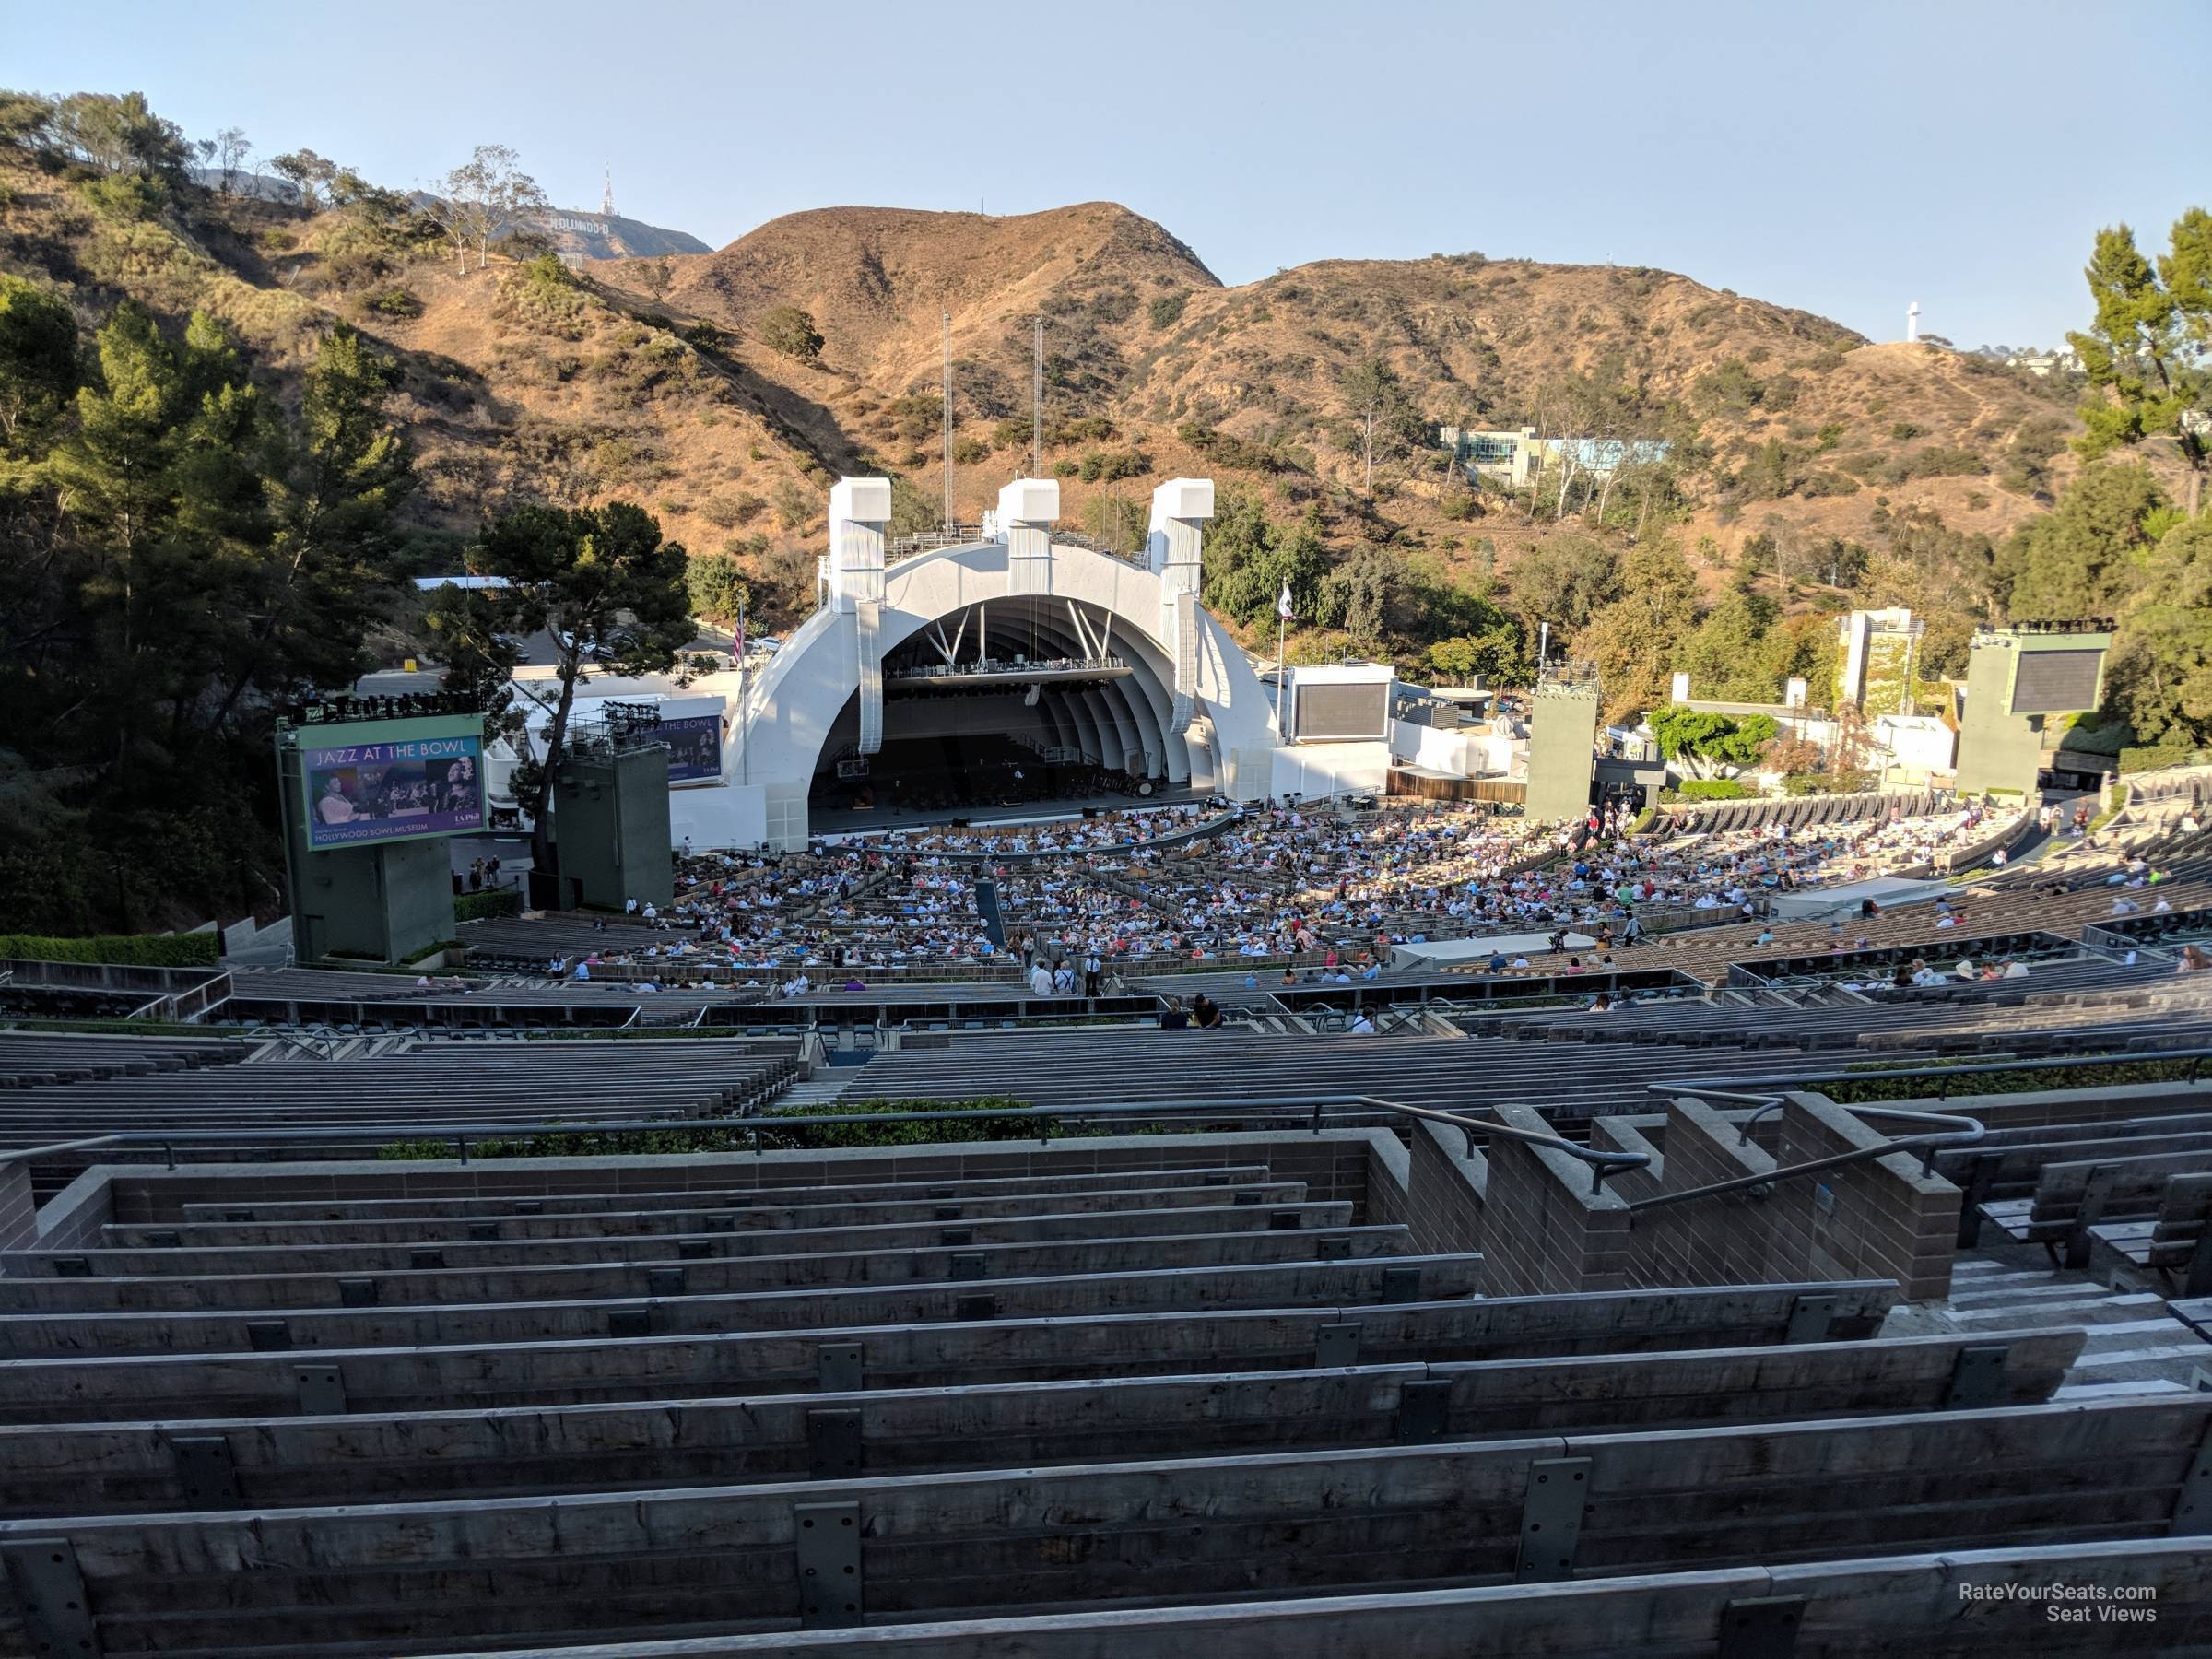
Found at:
[1090, 812]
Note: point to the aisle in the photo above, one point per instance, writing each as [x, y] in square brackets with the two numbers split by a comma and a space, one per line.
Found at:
[987, 906]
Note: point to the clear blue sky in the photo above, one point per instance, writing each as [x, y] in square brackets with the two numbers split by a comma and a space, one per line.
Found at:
[1846, 158]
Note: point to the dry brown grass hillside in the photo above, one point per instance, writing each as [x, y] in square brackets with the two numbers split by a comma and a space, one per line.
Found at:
[1154, 368]
[661, 381]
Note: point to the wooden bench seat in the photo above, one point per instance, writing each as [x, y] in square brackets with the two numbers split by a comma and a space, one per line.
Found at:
[308, 1583]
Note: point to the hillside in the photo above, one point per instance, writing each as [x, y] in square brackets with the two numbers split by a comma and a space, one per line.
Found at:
[576, 233]
[1796, 427]
[655, 378]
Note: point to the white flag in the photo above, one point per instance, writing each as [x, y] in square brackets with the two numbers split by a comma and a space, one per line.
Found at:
[1282, 606]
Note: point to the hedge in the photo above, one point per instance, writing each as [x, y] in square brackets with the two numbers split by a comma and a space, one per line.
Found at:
[477, 907]
[1711, 789]
[2151, 757]
[124, 951]
[1818, 784]
[763, 1132]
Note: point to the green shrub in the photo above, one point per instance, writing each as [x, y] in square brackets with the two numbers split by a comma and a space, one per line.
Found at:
[128, 950]
[1713, 788]
[1109, 464]
[969, 451]
[776, 1131]
[1940, 1081]
[789, 330]
[1813, 783]
[392, 302]
[477, 907]
[1827, 484]
[1167, 311]
[2149, 757]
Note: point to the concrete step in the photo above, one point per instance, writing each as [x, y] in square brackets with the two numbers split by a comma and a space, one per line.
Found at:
[2081, 1392]
[2064, 1311]
[2045, 1293]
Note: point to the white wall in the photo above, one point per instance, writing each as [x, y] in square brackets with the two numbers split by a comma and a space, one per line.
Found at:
[1328, 769]
[797, 699]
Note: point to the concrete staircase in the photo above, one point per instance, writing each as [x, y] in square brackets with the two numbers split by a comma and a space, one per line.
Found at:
[2136, 1346]
[819, 1090]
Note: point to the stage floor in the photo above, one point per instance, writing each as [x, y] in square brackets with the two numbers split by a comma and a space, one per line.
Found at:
[822, 822]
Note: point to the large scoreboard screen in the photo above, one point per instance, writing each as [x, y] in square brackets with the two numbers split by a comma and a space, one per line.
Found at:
[1325, 711]
[392, 780]
[2056, 682]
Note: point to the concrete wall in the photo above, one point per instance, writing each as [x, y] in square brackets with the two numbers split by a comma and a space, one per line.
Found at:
[1997, 749]
[1316, 769]
[611, 824]
[1562, 757]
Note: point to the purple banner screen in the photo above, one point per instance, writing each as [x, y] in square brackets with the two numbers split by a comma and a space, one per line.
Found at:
[383, 792]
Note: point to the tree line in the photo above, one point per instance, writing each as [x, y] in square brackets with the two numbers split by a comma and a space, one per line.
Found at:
[191, 536]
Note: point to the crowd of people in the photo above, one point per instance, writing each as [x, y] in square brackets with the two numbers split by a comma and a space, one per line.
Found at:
[1309, 885]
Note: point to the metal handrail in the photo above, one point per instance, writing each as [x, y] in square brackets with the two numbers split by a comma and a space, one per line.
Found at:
[1960, 1131]
[1761, 1089]
[1601, 1163]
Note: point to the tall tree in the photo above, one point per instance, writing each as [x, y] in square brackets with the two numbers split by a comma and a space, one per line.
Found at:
[718, 589]
[2146, 355]
[231, 149]
[310, 173]
[486, 196]
[120, 135]
[603, 592]
[331, 559]
[37, 367]
[2080, 559]
[2161, 669]
[1383, 415]
[1563, 582]
[1633, 638]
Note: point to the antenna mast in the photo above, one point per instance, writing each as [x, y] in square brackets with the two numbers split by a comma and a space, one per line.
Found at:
[947, 420]
[606, 195]
[1037, 404]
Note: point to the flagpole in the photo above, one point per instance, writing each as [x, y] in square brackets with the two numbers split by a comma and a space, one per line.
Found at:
[1282, 626]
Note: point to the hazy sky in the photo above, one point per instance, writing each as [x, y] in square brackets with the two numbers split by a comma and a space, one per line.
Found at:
[1846, 158]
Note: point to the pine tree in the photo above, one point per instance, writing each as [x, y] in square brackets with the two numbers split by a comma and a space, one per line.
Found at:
[2144, 354]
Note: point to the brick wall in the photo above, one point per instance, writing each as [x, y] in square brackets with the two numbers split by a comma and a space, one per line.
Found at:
[1644, 1134]
[19, 1214]
[71, 1218]
[1881, 1218]
[1543, 1229]
[1725, 1240]
[1877, 1219]
[1389, 1182]
[1444, 1191]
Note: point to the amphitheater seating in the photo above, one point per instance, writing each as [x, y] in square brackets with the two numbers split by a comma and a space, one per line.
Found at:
[41, 1060]
[314, 1410]
[2072, 1198]
[1241, 1381]
[366, 1103]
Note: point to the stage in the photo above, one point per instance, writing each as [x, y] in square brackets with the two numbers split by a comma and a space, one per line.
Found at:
[828, 825]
